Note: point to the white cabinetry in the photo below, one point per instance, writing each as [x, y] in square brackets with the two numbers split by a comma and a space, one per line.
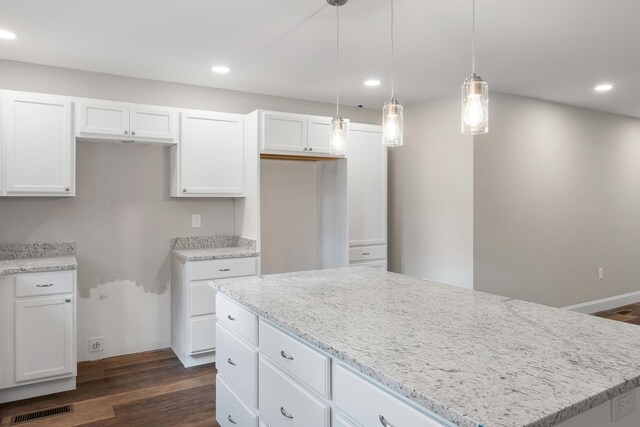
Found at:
[209, 161]
[38, 150]
[37, 334]
[294, 134]
[367, 195]
[193, 304]
[122, 121]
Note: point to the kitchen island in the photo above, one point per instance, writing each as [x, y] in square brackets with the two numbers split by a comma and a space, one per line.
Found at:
[462, 357]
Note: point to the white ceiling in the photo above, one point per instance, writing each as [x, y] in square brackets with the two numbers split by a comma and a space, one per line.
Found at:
[550, 49]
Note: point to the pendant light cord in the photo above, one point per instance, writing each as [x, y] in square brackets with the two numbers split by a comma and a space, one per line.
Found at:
[392, 55]
[473, 39]
[337, 61]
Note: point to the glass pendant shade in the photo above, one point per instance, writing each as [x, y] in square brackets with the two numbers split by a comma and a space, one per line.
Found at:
[392, 131]
[338, 141]
[475, 106]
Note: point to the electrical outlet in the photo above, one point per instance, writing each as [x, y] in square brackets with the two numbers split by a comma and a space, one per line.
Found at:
[623, 405]
[601, 273]
[96, 344]
[196, 220]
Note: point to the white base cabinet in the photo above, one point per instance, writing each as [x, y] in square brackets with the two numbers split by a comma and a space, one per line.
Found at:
[193, 304]
[37, 334]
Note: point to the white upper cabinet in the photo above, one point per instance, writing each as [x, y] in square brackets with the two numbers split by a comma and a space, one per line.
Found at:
[38, 148]
[294, 134]
[209, 161]
[120, 121]
[367, 185]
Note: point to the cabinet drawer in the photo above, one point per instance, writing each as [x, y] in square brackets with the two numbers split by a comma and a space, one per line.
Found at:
[231, 411]
[296, 358]
[221, 268]
[379, 264]
[283, 403]
[203, 334]
[366, 403]
[238, 319]
[49, 283]
[364, 253]
[202, 299]
[340, 421]
[237, 363]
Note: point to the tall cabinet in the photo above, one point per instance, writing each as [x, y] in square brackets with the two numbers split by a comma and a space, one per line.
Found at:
[367, 196]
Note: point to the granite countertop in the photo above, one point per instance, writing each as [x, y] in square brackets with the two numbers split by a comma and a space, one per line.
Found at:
[473, 358]
[213, 247]
[37, 257]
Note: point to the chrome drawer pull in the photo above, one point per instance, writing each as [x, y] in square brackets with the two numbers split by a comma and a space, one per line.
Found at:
[285, 355]
[44, 286]
[231, 420]
[231, 362]
[224, 269]
[366, 253]
[285, 413]
[384, 422]
[230, 317]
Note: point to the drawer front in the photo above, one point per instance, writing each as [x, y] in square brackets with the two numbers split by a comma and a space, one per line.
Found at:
[283, 403]
[49, 283]
[237, 363]
[203, 334]
[221, 268]
[340, 421]
[296, 358]
[364, 253]
[202, 299]
[231, 411]
[366, 403]
[377, 264]
[238, 319]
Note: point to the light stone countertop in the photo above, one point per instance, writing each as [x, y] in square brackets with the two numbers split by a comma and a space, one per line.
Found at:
[33, 265]
[215, 253]
[202, 248]
[473, 358]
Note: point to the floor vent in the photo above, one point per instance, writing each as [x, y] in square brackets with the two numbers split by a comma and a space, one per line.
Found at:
[44, 413]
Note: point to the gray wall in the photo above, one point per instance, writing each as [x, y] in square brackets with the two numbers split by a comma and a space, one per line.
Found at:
[122, 217]
[431, 196]
[557, 195]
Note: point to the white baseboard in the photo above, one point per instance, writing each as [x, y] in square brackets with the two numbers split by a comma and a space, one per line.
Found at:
[124, 351]
[590, 307]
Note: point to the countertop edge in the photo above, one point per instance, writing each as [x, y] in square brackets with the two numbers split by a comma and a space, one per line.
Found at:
[177, 252]
[63, 266]
[428, 403]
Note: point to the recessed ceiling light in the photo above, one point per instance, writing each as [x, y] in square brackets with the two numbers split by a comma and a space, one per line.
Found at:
[220, 69]
[372, 83]
[605, 87]
[7, 35]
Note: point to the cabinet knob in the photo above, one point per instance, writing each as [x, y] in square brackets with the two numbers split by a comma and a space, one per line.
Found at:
[311, 149]
[68, 300]
[305, 148]
[285, 413]
[133, 132]
[184, 190]
[231, 420]
[126, 132]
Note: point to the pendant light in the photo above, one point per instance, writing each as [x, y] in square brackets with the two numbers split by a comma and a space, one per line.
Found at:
[392, 119]
[338, 138]
[475, 95]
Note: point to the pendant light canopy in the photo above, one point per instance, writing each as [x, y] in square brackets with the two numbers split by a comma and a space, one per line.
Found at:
[338, 138]
[475, 95]
[392, 116]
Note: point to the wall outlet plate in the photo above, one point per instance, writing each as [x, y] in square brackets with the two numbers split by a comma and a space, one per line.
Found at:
[96, 344]
[196, 220]
[623, 405]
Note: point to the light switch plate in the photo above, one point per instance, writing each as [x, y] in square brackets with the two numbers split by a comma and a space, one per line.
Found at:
[196, 220]
[623, 405]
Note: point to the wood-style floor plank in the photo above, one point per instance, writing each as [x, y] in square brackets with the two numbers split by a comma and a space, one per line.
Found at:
[146, 389]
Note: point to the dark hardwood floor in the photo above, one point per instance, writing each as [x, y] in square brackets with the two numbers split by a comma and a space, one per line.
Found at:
[145, 389]
[628, 313]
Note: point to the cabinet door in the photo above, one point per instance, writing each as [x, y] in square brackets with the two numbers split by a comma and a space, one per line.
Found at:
[284, 132]
[319, 134]
[367, 185]
[211, 154]
[44, 337]
[38, 145]
[153, 123]
[104, 119]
